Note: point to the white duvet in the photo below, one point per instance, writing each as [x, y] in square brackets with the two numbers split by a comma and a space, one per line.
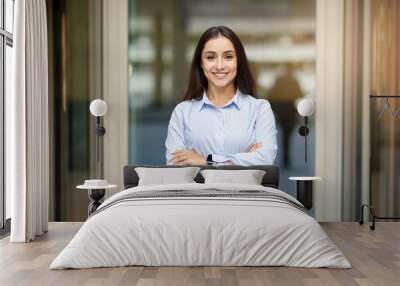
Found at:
[200, 231]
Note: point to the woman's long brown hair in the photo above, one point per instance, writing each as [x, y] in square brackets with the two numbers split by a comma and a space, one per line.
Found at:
[198, 83]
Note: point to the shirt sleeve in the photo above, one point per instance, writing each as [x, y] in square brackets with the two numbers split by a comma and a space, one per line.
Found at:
[175, 137]
[265, 130]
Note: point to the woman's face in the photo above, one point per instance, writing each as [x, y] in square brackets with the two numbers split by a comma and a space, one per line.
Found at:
[219, 62]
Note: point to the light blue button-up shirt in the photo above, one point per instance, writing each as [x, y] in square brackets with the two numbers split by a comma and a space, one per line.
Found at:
[225, 132]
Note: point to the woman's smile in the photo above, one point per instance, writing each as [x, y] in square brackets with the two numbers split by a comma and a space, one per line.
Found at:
[220, 75]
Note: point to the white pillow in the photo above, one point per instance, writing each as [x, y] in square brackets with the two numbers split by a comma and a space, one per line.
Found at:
[165, 176]
[248, 177]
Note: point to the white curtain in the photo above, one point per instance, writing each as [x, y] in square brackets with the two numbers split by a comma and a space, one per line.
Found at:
[27, 123]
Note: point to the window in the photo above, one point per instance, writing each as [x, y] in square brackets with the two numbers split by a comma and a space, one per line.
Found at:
[6, 62]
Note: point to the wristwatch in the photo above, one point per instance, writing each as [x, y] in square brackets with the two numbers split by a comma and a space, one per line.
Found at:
[209, 159]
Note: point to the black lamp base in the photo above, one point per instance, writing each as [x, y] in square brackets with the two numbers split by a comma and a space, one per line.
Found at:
[303, 130]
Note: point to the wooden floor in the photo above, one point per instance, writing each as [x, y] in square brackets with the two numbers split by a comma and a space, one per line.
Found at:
[374, 255]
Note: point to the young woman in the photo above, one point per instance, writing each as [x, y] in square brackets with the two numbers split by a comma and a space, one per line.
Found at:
[220, 121]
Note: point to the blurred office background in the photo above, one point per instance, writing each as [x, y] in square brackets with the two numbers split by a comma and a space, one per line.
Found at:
[279, 39]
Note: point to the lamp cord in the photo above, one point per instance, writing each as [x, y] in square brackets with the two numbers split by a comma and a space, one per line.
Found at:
[305, 140]
[98, 138]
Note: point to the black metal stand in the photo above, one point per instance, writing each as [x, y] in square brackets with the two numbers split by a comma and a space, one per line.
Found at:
[100, 131]
[303, 131]
[370, 207]
[95, 196]
[373, 215]
[304, 193]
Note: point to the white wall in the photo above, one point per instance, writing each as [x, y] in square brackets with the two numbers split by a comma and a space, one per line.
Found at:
[329, 109]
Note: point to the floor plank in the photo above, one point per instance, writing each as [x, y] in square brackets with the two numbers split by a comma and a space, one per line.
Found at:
[374, 255]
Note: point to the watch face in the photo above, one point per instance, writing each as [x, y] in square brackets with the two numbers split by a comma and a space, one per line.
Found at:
[209, 158]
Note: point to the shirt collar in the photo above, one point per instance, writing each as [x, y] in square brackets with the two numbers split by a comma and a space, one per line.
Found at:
[236, 100]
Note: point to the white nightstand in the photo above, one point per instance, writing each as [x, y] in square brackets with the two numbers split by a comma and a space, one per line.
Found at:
[96, 195]
[304, 190]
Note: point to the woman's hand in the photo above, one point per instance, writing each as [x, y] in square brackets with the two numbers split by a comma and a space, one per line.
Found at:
[254, 147]
[187, 157]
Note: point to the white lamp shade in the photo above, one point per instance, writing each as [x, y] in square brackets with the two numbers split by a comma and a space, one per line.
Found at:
[305, 107]
[98, 107]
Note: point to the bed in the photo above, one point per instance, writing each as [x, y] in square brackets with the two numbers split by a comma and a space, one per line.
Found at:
[198, 224]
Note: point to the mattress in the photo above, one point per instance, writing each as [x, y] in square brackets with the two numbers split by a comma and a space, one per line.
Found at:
[201, 225]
